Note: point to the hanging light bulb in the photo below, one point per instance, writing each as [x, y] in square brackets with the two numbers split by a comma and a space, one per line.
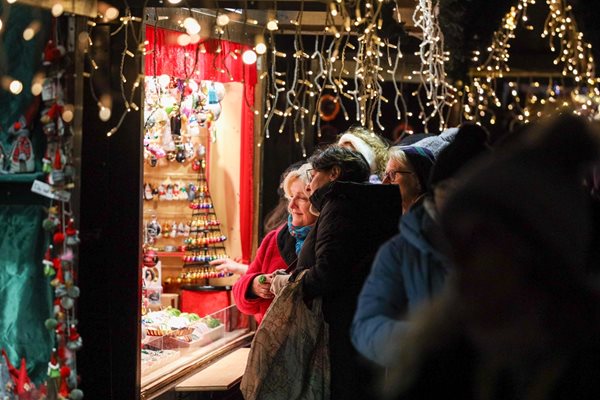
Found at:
[15, 87]
[36, 88]
[111, 13]
[183, 39]
[249, 57]
[222, 19]
[174, 1]
[333, 8]
[104, 113]
[272, 25]
[57, 9]
[192, 27]
[261, 47]
[67, 114]
[0, 24]
[11, 1]
[31, 30]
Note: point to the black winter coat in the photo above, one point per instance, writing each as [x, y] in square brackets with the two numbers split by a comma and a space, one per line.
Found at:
[355, 219]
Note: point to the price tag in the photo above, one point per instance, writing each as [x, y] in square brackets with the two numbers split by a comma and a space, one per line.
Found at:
[46, 190]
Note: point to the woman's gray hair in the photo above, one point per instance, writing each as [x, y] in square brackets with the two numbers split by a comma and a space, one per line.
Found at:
[396, 154]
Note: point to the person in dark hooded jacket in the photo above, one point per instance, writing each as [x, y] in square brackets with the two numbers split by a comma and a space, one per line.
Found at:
[520, 318]
[355, 218]
[411, 267]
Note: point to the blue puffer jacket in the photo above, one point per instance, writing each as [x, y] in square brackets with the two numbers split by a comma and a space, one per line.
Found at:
[407, 271]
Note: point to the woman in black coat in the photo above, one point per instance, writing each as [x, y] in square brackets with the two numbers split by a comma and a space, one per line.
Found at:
[355, 218]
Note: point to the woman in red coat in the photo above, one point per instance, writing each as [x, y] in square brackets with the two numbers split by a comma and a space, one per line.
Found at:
[278, 250]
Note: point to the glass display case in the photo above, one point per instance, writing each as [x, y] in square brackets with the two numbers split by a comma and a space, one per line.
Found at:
[175, 345]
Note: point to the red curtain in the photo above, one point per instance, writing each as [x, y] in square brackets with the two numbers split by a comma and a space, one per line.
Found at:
[203, 61]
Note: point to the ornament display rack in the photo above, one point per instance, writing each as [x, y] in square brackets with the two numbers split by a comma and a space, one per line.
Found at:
[206, 240]
[169, 248]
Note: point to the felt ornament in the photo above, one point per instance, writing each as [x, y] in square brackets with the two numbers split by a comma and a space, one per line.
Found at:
[52, 53]
[24, 384]
[72, 233]
[74, 343]
[22, 159]
[58, 238]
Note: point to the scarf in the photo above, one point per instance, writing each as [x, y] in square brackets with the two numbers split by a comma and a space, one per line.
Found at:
[298, 232]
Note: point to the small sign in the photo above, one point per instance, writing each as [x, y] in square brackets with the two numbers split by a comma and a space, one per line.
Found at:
[46, 190]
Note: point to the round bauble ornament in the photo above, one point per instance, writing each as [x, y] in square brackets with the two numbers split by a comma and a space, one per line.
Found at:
[50, 323]
[220, 90]
[73, 292]
[67, 303]
[76, 394]
[215, 110]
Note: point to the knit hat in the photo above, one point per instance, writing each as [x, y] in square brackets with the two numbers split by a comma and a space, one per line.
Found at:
[362, 147]
[412, 139]
[421, 160]
[437, 143]
[535, 192]
[469, 142]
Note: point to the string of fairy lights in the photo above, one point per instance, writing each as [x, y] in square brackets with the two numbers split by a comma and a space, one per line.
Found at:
[349, 61]
[574, 88]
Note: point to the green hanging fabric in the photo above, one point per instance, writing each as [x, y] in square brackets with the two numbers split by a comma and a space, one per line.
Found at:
[20, 60]
[25, 293]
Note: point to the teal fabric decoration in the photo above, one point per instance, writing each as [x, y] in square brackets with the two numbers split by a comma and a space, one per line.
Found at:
[20, 60]
[25, 293]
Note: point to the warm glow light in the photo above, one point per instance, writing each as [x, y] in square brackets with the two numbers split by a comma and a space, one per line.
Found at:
[222, 19]
[249, 57]
[11, 1]
[111, 13]
[31, 30]
[194, 39]
[57, 9]
[272, 25]
[67, 115]
[183, 39]
[36, 88]
[0, 24]
[28, 34]
[104, 113]
[192, 27]
[174, 1]
[15, 87]
[260, 48]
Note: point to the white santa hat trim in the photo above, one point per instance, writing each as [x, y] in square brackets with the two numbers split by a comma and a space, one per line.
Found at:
[362, 147]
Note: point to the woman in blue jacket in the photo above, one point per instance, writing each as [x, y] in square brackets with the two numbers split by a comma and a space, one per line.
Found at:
[411, 267]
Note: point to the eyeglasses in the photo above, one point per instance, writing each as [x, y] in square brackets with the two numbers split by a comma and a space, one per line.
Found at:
[391, 175]
[309, 174]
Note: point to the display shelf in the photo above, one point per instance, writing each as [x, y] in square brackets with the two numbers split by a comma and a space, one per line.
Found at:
[170, 253]
[21, 178]
[204, 288]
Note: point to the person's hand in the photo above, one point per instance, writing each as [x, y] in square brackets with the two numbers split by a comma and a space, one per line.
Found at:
[261, 285]
[278, 281]
[228, 265]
